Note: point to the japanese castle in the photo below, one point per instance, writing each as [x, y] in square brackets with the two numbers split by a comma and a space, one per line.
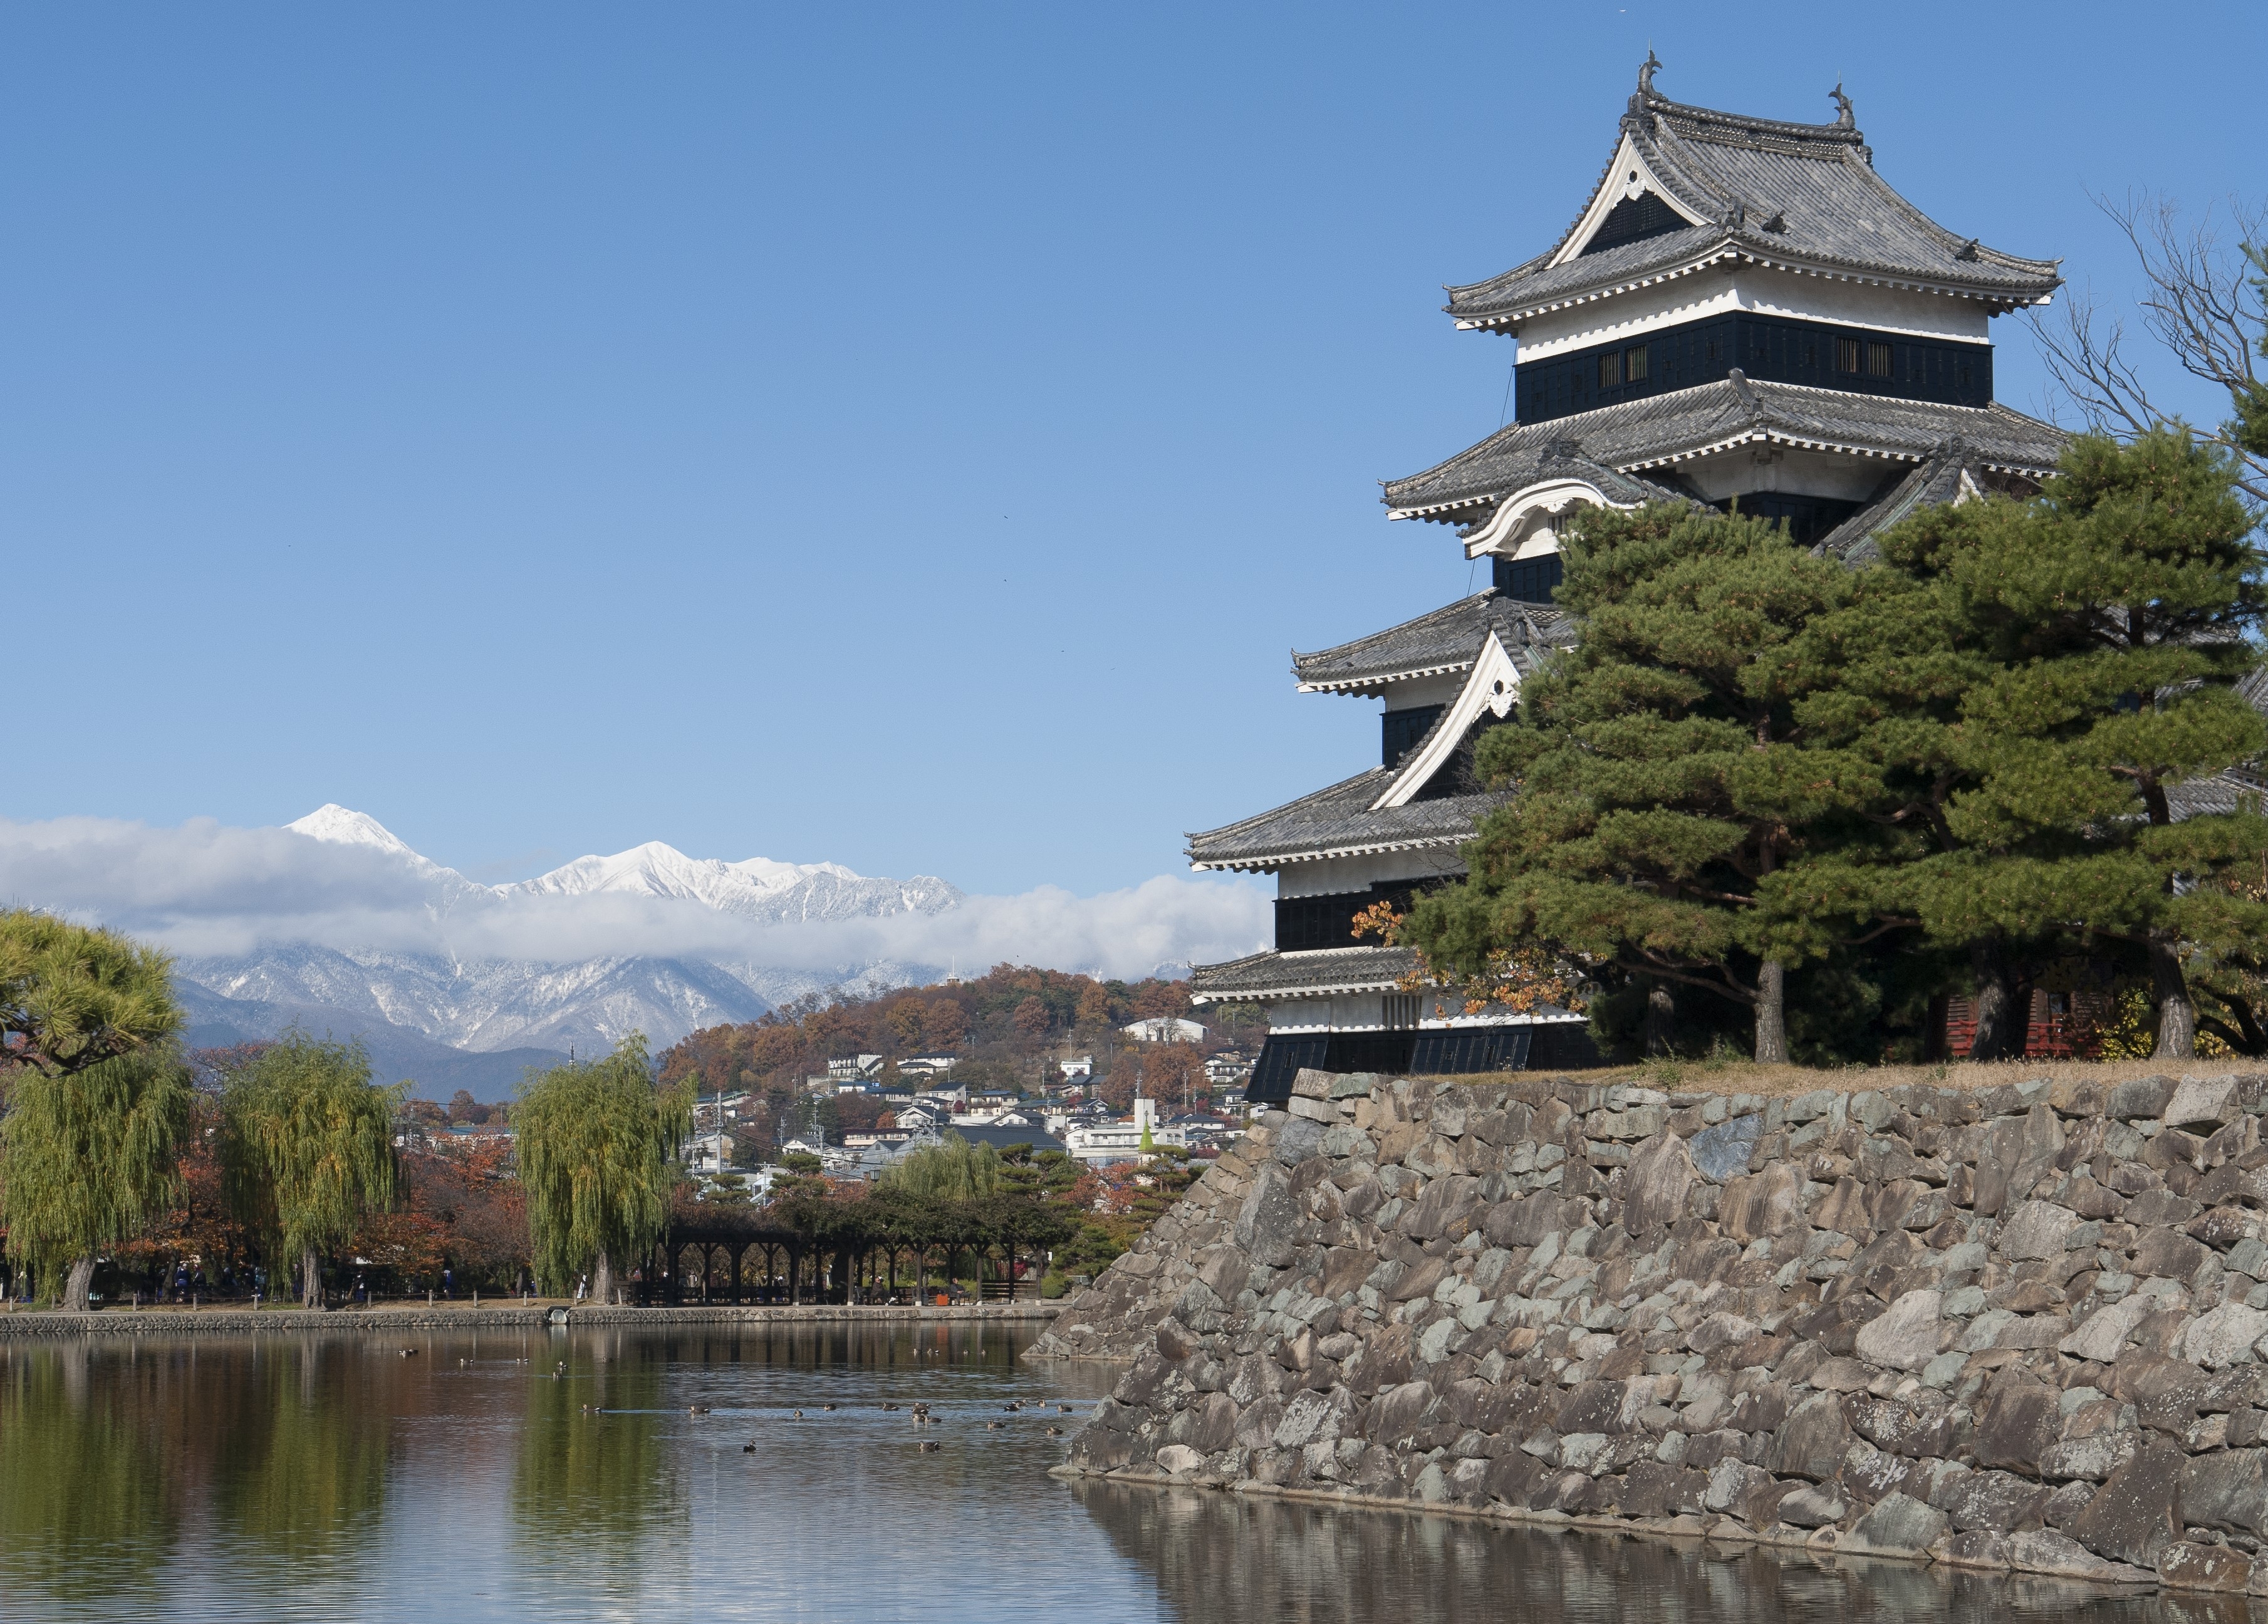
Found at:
[1743, 312]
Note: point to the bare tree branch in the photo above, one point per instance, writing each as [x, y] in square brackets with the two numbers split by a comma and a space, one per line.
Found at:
[2204, 302]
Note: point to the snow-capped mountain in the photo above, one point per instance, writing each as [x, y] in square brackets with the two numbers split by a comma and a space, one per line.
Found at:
[491, 1006]
[759, 888]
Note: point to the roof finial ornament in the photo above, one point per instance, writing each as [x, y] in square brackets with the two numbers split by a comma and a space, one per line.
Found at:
[1646, 71]
[1844, 118]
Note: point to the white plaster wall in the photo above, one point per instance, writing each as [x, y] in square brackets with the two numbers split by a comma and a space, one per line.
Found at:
[1332, 875]
[1718, 291]
[1442, 690]
[1789, 469]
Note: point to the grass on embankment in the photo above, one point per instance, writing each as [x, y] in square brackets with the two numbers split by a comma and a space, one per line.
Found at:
[1719, 1074]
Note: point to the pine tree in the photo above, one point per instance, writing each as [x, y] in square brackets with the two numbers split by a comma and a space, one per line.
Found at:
[2029, 686]
[1662, 782]
[72, 997]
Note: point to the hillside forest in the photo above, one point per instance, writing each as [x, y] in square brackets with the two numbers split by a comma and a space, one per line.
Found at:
[1006, 1030]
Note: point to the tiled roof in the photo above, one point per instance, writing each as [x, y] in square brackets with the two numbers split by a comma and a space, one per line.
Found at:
[1448, 639]
[1315, 974]
[1662, 430]
[1803, 197]
[2243, 788]
[1337, 822]
[1931, 484]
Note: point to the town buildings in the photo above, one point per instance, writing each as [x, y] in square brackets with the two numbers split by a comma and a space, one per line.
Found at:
[1743, 314]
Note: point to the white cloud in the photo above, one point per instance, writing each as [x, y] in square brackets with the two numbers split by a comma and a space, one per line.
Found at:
[206, 889]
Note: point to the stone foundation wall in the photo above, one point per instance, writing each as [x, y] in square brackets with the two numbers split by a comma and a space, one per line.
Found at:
[2023, 1327]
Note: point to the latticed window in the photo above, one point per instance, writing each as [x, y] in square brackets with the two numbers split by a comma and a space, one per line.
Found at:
[1846, 355]
[1878, 360]
[1634, 363]
[1402, 1008]
[1610, 369]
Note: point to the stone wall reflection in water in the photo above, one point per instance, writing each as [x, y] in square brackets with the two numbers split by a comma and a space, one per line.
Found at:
[1239, 1561]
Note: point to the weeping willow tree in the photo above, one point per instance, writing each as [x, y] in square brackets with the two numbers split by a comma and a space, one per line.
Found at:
[87, 1157]
[951, 1174]
[307, 1147]
[597, 1144]
[952, 1169]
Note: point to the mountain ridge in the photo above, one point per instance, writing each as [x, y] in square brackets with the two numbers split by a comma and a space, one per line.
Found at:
[499, 1014]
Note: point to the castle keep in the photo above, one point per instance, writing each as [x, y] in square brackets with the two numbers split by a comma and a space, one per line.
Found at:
[1743, 314]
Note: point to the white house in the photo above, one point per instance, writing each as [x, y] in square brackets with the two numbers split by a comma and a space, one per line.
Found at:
[1165, 1030]
[1122, 1141]
[708, 1152]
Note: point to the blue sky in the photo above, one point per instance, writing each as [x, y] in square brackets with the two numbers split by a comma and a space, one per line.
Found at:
[912, 437]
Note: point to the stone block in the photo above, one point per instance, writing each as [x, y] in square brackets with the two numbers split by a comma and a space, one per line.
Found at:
[1657, 1187]
[2200, 1105]
[1524, 1221]
[2040, 1551]
[1809, 1506]
[2222, 1336]
[2035, 1229]
[1812, 1442]
[2018, 1422]
[2166, 1253]
[2089, 1459]
[2136, 1515]
[1296, 1140]
[1998, 1502]
[1721, 1152]
[1446, 1208]
[1909, 1335]
[1763, 1205]
[2227, 1490]
[1897, 1525]
[2187, 1567]
[1266, 1222]
[1731, 1481]
[2101, 1336]
[2140, 1097]
[1313, 1417]
[1309, 1083]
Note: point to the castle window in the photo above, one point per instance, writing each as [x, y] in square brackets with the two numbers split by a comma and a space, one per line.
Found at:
[1634, 363]
[1878, 360]
[1610, 369]
[1846, 355]
[1401, 1008]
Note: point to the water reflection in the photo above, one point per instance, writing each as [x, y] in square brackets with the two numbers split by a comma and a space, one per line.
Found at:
[343, 1478]
[1222, 1557]
[90, 1493]
[300, 1441]
[592, 1481]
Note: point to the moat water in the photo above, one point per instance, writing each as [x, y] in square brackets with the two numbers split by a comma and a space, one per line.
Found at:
[554, 1476]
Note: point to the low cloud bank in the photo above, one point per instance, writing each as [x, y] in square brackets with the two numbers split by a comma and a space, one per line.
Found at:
[209, 889]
